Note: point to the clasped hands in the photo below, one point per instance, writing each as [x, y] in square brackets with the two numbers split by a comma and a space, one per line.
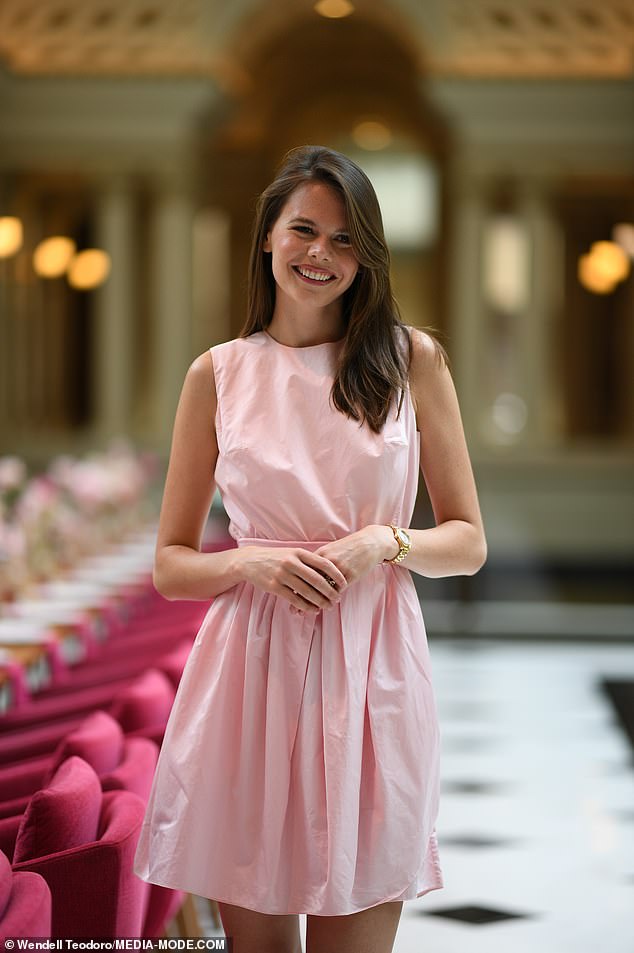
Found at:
[312, 580]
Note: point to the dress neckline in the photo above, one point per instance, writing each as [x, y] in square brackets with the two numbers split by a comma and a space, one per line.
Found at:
[300, 347]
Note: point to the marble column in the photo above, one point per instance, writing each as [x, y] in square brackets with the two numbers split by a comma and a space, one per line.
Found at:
[465, 304]
[211, 279]
[171, 304]
[537, 337]
[115, 310]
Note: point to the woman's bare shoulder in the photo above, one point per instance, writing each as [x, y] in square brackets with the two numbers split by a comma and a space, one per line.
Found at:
[199, 379]
[429, 366]
[202, 366]
[428, 355]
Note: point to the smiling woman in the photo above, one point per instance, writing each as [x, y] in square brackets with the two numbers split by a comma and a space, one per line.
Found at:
[344, 224]
[310, 678]
[310, 249]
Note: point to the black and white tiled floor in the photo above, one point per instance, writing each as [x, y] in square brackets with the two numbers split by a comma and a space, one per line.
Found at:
[536, 823]
[536, 819]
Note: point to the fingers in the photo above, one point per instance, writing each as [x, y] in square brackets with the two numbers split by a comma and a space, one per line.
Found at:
[312, 587]
[308, 581]
[312, 603]
[308, 597]
[325, 568]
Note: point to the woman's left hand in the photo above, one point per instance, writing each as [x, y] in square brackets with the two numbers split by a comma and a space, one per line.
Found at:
[355, 555]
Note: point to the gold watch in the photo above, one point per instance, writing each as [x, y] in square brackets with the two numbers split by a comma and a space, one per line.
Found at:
[404, 541]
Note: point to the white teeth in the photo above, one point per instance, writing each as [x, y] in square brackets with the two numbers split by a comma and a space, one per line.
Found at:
[314, 275]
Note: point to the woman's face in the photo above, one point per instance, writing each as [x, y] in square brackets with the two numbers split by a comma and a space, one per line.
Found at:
[312, 260]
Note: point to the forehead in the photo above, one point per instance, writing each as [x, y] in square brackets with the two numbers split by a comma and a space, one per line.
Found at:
[318, 202]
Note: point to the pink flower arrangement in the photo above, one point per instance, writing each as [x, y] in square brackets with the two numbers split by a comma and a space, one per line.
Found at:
[79, 506]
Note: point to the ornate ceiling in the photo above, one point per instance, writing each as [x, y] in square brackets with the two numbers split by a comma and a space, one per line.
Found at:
[524, 38]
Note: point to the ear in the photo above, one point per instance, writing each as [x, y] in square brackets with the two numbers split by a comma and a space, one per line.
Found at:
[266, 244]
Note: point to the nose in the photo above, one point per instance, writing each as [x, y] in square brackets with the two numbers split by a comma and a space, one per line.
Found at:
[319, 249]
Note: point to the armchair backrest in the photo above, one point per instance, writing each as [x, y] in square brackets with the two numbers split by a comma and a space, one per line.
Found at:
[25, 903]
[83, 843]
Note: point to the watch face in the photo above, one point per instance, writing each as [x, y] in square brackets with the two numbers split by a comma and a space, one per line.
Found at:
[405, 537]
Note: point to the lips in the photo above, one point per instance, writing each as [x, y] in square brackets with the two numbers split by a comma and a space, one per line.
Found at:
[314, 276]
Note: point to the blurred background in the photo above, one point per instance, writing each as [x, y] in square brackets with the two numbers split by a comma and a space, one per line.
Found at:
[135, 136]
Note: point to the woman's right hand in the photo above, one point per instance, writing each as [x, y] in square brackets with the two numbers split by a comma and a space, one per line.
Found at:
[297, 575]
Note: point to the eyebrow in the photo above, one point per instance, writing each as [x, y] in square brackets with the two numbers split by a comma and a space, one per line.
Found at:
[309, 221]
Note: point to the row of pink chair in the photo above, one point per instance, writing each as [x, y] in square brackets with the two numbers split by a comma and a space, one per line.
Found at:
[141, 703]
[25, 903]
[77, 761]
[118, 611]
[97, 683]
[119, 761]
[122, 657]
[82, 841]
[73, 822]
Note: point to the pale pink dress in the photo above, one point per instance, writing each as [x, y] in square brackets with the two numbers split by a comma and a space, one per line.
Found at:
[300, 767]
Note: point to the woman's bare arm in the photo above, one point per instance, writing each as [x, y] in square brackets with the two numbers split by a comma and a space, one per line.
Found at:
[181, 571]
[457, 544]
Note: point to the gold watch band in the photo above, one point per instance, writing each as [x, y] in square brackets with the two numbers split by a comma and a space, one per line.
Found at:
[404, 545]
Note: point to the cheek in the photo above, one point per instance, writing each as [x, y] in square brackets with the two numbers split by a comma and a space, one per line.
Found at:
[286, 247]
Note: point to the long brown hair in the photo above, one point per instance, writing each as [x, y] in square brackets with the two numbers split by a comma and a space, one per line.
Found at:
[373, 368]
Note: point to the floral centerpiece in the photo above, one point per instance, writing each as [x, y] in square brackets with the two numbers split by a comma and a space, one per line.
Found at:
[79, 506]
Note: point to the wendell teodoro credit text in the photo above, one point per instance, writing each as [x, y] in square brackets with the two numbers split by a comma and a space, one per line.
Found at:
[129, 943]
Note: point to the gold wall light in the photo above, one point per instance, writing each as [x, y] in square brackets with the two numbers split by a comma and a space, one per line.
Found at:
[11, 235]
[603, 267]
[52, 256]
[89, 269]
[334, 9]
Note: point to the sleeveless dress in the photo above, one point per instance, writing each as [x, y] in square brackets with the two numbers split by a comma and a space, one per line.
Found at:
[299, 772]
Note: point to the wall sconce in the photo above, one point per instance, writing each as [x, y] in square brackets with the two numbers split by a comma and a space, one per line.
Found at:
[52, 256]
[58, 255]
[11, 236]
[89, 269]
[603, 267]
[334, 9]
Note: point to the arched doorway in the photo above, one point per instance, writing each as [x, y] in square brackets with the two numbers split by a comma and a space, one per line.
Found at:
[323, 81]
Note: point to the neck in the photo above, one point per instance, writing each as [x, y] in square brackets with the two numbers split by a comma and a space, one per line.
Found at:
[301, 329]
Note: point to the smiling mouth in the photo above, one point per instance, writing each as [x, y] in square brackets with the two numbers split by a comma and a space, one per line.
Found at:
[313, 277]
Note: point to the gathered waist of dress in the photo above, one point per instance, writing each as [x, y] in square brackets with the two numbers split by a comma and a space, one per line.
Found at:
[290, 543]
